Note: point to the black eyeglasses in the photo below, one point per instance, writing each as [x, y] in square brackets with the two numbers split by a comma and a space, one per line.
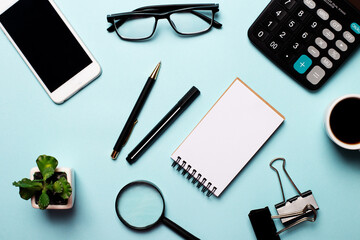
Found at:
[185, 19]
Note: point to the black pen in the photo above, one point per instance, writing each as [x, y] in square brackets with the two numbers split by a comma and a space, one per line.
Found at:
[169, 118]
[132, 120]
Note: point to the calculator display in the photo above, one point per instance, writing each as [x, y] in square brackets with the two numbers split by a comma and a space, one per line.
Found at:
[356, 3]
[308, 39]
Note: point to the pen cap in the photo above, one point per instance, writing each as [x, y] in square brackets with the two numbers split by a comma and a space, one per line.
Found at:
[189, 97]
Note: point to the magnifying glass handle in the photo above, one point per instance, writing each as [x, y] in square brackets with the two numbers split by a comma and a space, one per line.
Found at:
[176, 228]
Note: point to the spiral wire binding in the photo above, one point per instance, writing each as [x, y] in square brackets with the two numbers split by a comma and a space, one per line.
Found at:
[195, 180]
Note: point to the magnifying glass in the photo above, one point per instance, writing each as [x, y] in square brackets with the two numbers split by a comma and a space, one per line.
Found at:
[141, 206]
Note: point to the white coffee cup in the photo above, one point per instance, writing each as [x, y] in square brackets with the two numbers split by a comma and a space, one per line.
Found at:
[328, 126]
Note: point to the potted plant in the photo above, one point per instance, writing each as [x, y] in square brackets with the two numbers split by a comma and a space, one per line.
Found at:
[49, 187]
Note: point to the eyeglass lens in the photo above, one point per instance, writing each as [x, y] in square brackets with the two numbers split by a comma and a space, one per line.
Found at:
[137, 28]
[191, 22]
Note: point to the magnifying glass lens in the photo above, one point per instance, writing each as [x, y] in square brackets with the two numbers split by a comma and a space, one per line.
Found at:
[140, 206]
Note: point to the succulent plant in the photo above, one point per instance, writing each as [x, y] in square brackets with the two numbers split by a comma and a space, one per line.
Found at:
[45, 186]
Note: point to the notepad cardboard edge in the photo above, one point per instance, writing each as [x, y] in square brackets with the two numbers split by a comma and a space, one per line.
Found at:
[217, 194]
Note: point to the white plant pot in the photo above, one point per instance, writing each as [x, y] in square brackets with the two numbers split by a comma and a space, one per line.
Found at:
[70, 174]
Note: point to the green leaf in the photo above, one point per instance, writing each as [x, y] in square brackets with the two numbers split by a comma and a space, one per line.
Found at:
[44, 201]
[27, 183]
[66, 193]
[49, 187]
[58, 187]
[46, 165]
[28, 188]
[26, 193]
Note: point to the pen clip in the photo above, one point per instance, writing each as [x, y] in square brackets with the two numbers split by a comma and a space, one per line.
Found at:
[127, 138]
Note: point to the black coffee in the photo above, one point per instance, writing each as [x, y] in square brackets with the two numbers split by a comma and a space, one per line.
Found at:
[345, 121]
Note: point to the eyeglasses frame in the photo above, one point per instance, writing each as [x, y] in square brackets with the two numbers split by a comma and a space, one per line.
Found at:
[164, 12]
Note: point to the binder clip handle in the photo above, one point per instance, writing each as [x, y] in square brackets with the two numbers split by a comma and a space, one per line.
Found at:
[264, 226]
[277, 172]
[299, 213]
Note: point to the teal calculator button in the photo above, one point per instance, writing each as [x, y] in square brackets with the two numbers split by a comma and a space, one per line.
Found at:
[355, 27]
[302, 64]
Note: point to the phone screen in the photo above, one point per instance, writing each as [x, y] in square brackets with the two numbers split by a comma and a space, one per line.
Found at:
[45, 40]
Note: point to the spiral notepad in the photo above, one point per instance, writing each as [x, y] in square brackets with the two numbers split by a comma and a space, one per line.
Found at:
[224, 141]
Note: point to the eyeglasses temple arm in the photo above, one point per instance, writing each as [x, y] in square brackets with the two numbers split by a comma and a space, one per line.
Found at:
[207, 19]
[116, 25]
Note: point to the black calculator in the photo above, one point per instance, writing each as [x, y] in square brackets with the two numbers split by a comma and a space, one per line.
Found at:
[308, 39]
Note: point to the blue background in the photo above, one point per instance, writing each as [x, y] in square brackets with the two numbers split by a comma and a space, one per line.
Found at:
[81, 132]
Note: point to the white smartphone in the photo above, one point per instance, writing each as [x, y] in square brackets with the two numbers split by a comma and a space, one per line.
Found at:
[49, 46]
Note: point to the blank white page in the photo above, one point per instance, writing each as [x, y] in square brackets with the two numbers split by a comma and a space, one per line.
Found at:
[228, 136]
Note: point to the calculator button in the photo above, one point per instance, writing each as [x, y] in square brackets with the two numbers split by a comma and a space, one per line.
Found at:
[302, 64]
[306, 36]
[326, 62]
[261, 34]
[355, 27]
[293, 24]
[323, 14]
[349, 37]
[287, 56]
[314, 25]
[295, 46]
[341, 45]
[328, 34]
[310, 4]
[336, 25]
[279, 13]
[321, 43]
[289, 4]
[313, 51]
[270, 23]
[334, 54]
[284, 35]
[315, 75]
[302, 14]
[274, 45]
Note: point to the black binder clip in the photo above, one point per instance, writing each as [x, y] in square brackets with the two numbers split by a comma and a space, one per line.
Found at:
[264, 226]
[293, 204]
